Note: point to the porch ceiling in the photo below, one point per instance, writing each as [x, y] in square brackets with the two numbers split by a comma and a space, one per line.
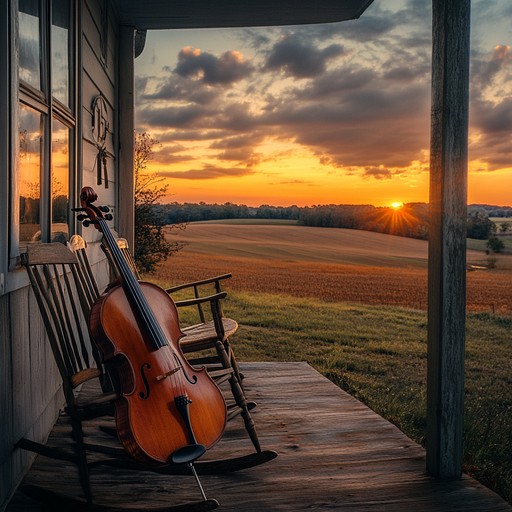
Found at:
[165, 14]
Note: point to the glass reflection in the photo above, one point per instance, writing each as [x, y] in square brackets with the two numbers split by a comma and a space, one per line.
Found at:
[29, 43]
[60, 181]
[60, 50]
[29, 171]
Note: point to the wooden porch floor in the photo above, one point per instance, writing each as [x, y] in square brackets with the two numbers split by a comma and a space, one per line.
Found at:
[334, 454]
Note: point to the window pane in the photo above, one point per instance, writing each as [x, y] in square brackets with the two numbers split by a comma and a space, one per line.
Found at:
[60, 50]
[30, 161]
[29, 43]
[60, 182]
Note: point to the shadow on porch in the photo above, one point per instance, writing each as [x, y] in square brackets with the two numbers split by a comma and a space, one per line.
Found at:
[334, 454]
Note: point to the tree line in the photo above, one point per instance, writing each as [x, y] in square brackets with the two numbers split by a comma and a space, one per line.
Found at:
[410, 220]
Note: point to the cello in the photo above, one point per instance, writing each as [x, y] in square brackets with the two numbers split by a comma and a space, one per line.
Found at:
[166, 410]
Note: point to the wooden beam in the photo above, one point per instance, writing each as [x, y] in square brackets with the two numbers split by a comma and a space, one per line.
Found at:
[126, 113]
[447, 247]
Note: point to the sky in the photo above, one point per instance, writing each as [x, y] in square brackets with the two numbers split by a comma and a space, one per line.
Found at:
[335, 113]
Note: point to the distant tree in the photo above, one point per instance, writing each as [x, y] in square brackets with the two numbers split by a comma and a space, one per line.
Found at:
[479, 226]
[151, 246]
[494, 244]
[505, 226]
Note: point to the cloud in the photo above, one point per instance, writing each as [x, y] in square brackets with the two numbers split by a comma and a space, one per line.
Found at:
[364, 106]
[379, 173]
[208, 172]
[177, 88]
[360, 127]
[486, 67]
[173, 116]
[227, 69]
[301, 59]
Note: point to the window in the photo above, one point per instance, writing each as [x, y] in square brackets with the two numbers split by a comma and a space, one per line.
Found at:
[46, 121]
[29, 171]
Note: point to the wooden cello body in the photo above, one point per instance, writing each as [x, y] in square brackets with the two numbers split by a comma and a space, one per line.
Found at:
[167, 411]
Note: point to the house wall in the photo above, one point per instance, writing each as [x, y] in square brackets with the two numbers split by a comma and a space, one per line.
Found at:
[30, 385]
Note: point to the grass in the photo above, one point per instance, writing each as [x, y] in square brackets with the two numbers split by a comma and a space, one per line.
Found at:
[378, 354]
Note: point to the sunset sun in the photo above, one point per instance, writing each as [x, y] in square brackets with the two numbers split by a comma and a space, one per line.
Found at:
[396, 205]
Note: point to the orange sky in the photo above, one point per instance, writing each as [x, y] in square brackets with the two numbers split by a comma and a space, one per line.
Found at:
[335, 113]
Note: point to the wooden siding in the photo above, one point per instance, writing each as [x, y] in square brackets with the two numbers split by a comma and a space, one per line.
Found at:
[334, 454]
[30, 396]
[30, 381]
[98, 77]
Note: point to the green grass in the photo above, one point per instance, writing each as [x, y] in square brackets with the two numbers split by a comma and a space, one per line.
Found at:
[378, 354]
[481, 245]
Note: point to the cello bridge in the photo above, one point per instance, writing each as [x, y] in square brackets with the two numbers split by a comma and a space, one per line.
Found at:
[168, 374]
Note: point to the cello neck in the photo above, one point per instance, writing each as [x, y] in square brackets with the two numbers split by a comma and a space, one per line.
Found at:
[133, 290]
[131, 286]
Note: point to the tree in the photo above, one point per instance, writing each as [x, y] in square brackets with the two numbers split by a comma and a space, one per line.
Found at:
[505, 226]
[495, 244]
[151, 246]
[479, 226]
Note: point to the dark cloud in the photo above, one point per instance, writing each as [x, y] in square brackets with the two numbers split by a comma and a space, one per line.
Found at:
[238, 141]
[363, 127]
[227, 69]
[178, 89]
[490, 118]
[490, 108]
[208, 172]
[173, 116]
[367, 28]
[486, 67]
[336, 83]
[171, 154]
[493, 123]
[401, 74]
[300, 58]
[379, 173]
[190, 135]
[240, 148]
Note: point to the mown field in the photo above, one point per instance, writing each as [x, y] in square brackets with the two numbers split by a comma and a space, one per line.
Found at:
[330, 264]
[352, 304]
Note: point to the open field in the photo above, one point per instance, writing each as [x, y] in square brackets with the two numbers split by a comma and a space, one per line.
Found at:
[378, 354]
[295, 292]
[331, 264]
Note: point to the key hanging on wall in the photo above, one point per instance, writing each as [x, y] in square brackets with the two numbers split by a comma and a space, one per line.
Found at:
[99, 133]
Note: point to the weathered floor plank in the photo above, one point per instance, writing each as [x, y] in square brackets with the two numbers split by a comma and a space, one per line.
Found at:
[334, 454]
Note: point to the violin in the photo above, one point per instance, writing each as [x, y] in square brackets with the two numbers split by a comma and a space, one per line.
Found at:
[166, 411]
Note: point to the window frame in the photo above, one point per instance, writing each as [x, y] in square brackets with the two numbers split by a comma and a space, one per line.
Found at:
[22, 93]
[51, 108]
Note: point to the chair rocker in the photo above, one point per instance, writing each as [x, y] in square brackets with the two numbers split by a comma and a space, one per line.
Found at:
[63, 294]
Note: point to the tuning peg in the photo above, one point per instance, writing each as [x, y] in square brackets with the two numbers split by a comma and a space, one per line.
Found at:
[81, 217]
[86, 223]
[109, 216]
[78, 209]
[104, 209]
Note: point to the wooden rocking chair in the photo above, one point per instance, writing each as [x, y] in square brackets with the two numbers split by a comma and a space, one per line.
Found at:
[221, 373]
[63, 293]
[209, 335]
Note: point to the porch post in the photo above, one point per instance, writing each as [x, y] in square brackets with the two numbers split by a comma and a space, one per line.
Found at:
[447, 246]
[126, 177]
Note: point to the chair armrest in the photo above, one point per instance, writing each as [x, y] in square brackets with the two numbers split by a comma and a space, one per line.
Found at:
[200, 300]
[197, 283]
